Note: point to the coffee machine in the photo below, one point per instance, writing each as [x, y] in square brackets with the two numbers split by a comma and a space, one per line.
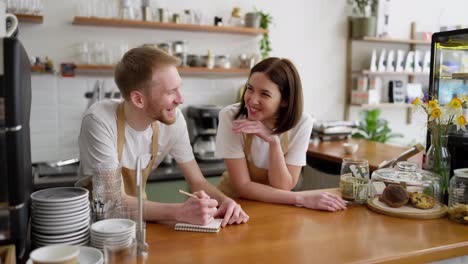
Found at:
[205, 125]
[15, 148]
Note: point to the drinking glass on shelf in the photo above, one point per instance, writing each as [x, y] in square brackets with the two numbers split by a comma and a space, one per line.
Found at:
[37, 7]
[354, 179]
[83, 53]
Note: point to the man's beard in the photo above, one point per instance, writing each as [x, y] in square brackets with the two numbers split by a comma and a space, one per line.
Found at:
[159, 116]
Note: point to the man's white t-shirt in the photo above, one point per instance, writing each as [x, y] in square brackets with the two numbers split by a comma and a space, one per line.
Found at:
[230, 145]
[98, 139]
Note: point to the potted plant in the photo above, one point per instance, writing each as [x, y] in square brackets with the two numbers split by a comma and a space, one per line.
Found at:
[363, 18]
[374, 128]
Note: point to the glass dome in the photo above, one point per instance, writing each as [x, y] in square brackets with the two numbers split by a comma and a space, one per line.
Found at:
[407, 174]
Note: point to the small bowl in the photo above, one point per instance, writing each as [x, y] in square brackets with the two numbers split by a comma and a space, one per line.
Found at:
[55, 254]
[350, 148]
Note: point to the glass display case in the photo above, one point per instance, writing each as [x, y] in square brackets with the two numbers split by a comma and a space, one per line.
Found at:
[449, 79]
[449, 65]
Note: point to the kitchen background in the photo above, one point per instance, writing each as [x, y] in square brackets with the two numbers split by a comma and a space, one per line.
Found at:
[312, 33]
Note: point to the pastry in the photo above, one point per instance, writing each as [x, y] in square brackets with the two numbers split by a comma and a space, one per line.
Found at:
[394, 196]
[422, 201]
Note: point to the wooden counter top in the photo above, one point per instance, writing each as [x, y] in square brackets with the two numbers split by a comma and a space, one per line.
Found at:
[374, 152]
[287, 234]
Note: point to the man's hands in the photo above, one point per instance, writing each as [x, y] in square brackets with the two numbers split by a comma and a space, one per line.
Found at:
[320, 201]
[203, 210]
[232, 212]
[197, 211]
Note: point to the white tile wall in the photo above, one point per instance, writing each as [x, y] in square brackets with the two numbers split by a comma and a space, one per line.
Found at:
[58, 104]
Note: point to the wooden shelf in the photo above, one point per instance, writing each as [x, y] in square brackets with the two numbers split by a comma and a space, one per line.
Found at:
[182, 70]
[460, 75]
[383, 105]
[394, 40]
[30, 18]
[111, 22]
[368, 72]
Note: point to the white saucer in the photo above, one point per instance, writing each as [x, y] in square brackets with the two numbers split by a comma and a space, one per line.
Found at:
[61, 222]
[57, 230]
[61, 236]
[60, 205]
[45, 239]
[55, 212]
[59, 194]
[113, 226]
[40, 214]
[77, 242]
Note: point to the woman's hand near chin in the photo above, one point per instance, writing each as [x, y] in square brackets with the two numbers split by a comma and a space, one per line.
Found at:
[254, 127]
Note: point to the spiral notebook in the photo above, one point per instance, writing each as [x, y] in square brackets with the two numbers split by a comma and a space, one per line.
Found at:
[212, 227]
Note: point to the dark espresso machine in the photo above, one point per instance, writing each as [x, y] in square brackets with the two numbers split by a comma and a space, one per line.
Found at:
[449, 79]
[15, 147]
[204, 128]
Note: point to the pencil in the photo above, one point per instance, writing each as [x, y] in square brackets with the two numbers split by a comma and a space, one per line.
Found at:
[188, 194]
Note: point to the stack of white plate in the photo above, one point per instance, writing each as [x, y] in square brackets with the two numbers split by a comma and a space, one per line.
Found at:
[60, 216]
[121, 229]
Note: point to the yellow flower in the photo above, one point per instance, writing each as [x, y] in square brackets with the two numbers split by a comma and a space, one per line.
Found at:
[416, 101]
[456, 103]
[435, 113]
[433, 104]
[461, 123]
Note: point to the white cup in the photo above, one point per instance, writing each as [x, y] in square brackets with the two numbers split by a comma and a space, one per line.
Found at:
[4, 17]
[350, 148]
[55, 254]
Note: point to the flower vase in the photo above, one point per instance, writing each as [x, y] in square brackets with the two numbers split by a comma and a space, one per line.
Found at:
[438, 161]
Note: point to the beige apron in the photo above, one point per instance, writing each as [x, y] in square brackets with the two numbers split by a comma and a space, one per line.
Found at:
[129, 175]
[256, 174]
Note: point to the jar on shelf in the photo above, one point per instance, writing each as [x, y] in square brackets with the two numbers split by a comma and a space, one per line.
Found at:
[458, 196]
[165, 46]
[222, 61]
[236, 19]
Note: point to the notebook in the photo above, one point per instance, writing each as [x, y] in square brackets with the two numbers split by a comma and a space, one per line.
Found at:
[212, 227]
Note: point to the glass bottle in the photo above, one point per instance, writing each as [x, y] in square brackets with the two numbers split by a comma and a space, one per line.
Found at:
[236, 19]
[438, 160]
[458, 196]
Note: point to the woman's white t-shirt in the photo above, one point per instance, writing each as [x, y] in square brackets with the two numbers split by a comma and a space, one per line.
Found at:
[230, 145]
[98, 139]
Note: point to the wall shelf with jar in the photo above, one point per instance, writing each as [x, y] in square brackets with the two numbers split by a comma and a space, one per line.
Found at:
[379, 73]
[112, 22]
[92, 68]
[369, 72]
[35, 19]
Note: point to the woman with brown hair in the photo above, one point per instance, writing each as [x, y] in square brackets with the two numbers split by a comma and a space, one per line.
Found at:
[264, 140]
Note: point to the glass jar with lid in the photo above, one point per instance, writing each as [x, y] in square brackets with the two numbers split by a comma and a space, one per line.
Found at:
[458, 196]
[406, 174]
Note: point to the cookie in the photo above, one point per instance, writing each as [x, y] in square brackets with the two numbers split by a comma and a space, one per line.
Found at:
[422, 201]
[394, 196]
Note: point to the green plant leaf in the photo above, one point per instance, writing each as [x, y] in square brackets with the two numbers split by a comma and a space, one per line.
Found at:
[373, 128]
